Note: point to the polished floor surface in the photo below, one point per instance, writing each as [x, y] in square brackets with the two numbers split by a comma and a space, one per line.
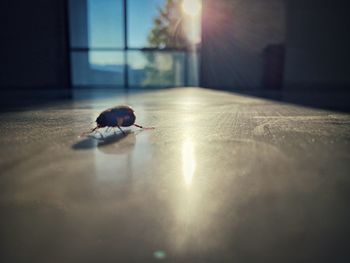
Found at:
[222, 178]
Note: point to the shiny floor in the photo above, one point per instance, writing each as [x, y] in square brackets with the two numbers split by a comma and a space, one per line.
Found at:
[222, 178]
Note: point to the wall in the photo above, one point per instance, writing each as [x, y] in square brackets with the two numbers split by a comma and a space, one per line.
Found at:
[317, 50]
[234, 36]
[314, 36]
[33, 44]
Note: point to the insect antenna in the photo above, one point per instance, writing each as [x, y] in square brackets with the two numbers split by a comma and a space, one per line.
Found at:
[145, 128]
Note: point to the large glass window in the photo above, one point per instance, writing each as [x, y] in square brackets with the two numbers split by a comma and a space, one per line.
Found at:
[141, 15]
[105, 23]
[97, 68]
[132, 43]
[156, 68]
[97, 42]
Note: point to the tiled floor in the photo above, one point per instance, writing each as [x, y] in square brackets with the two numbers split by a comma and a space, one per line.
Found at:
[222, 178]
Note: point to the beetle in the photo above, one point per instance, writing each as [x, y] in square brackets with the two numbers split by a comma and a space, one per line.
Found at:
[120, 116]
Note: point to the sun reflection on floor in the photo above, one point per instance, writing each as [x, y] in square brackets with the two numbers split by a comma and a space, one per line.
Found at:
[188, 161]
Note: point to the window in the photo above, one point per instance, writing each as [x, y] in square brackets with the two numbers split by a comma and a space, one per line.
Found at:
[156, 68]
[122, 43]
[140, 21]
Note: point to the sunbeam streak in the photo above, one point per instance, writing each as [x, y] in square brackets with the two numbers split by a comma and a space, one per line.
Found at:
[191, 7]
[188, 161]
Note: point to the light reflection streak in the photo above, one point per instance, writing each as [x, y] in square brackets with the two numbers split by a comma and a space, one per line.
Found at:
[188, 161]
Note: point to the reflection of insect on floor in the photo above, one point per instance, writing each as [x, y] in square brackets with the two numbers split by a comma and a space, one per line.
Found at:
[117, 117]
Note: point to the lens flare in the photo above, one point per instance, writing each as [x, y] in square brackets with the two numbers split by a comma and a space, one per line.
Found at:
[191, 7]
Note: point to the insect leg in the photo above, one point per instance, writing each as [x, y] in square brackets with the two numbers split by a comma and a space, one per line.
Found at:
[92, 130]
[100, 135]
[120, 129]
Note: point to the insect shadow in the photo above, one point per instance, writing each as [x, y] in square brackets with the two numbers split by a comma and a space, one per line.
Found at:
[117, 144]
[93, 141]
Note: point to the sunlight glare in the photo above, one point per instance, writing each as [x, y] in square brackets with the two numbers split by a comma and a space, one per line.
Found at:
[191, 7]
[188, 161]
